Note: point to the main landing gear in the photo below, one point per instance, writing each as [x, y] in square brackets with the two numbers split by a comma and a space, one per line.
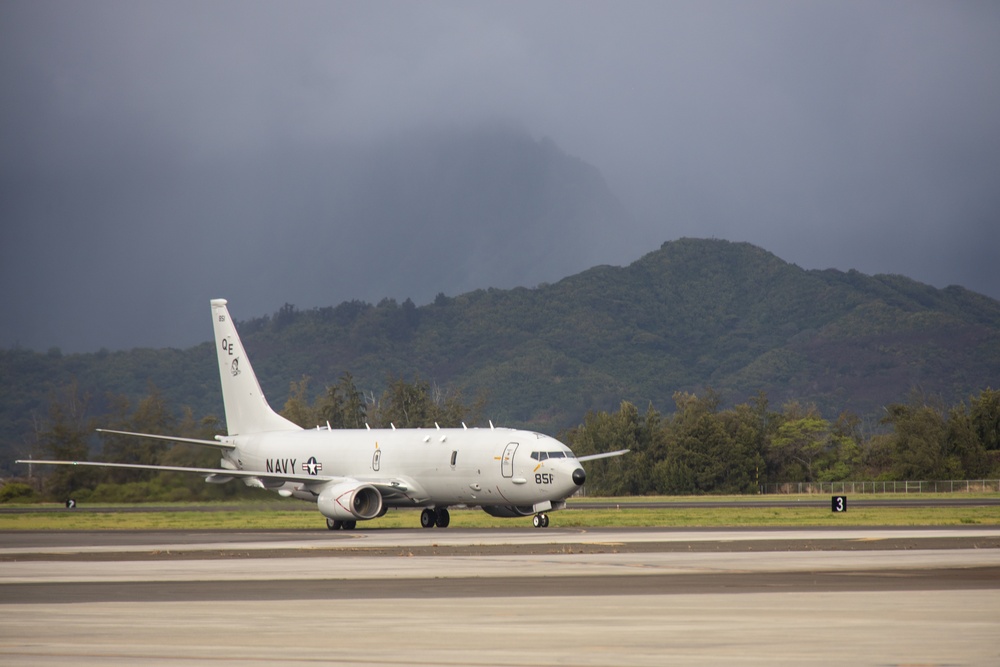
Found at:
[334, 524]
[431, 517]
[540, 520]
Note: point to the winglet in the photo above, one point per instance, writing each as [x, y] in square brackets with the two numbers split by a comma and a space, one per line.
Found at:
[247, 411]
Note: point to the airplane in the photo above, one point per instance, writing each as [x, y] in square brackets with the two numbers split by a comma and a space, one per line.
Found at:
[358, 474]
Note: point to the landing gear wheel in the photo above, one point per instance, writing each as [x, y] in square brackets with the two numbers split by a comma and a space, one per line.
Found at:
[333, 524]
[350, 525]
[540, 521]
[428, 518]
[443, 517]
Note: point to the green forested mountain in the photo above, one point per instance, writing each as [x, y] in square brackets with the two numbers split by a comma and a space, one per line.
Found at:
[693, 315]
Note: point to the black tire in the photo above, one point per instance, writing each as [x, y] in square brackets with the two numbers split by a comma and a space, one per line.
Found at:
[350, 525]
[428, 518]
[443, 517]
[536, 521]
[333, 524]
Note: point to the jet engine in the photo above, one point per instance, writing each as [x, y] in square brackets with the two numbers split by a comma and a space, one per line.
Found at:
[350, 501]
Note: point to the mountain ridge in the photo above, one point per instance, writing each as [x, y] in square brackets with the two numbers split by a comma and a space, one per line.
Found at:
[691, 315]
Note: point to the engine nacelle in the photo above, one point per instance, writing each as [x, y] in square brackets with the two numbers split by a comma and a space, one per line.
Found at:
[348, 501]
[509, 511]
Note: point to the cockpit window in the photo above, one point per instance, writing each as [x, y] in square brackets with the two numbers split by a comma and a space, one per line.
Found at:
[542, 456]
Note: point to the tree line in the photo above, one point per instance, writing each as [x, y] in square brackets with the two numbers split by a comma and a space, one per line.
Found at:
[700, 448]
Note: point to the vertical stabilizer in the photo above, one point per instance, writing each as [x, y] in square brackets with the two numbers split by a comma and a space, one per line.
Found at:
[247, 410]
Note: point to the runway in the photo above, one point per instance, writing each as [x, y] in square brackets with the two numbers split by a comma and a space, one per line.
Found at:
[503, 597]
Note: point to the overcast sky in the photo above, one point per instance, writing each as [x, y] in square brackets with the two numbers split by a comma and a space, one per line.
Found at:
[860, 135]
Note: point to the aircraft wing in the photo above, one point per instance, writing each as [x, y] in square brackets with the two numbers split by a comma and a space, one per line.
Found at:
[217, 473]
[218, 444]
[388, 487]
[591, 457]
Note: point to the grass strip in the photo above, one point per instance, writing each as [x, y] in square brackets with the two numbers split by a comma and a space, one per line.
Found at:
[715, 517]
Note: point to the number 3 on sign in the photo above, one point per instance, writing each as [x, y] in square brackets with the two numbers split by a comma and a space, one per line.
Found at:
[838, 503]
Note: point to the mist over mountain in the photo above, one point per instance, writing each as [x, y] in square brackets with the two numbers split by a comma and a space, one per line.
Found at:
[445, 211]
[154, 156]
[423, 212]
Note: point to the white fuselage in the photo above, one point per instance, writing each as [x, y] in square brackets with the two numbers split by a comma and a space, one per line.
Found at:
[433, 467]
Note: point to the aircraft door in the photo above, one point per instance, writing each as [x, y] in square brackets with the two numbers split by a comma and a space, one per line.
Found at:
[507, 462]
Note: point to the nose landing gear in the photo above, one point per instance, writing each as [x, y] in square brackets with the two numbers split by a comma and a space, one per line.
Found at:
[540, 520]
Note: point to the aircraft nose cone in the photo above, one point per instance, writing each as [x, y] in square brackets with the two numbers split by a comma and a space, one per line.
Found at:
[579, 476]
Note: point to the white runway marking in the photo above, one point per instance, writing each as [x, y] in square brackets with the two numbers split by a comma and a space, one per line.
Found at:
[389, 539]
[437, 567]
